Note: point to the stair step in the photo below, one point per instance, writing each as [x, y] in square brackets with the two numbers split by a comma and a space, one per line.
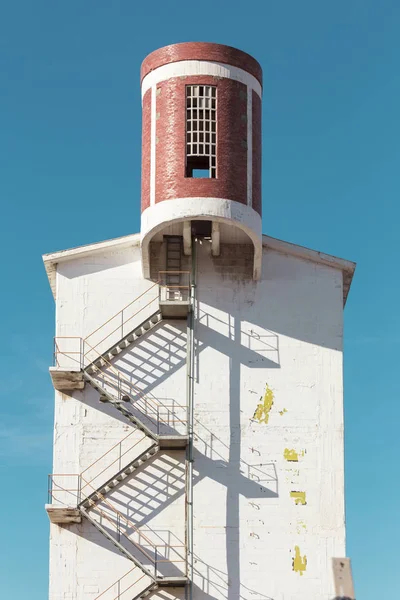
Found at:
[114, 481]
[124, 343]
[151, 588]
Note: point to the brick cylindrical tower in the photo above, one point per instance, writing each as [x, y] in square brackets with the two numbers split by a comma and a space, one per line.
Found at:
[201, 147]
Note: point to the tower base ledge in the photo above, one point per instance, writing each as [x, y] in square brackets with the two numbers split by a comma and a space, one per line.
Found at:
[162, 215]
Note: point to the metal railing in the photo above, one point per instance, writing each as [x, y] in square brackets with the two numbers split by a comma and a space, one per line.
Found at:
[112, 330]
[174, 286]
[113, 520]
[119, 385]
[119, 586]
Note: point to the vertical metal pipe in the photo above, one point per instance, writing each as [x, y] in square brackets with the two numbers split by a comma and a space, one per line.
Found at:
[190, 403]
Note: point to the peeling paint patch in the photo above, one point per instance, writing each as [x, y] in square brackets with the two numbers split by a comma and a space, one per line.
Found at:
[301, 527]
[290, 455]
[263, 409]
[299, 563]
[292, 476]
[282, 412]
[299, 497]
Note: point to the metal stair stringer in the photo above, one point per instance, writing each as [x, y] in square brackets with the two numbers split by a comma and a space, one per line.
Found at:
[122, 344]
[106, 487]
[120, 407]
[119, 546]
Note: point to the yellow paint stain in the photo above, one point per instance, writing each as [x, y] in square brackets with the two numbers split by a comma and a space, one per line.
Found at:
[301, 526]
[290, 455]
[263, 409]
[299, 497]
[282, 412]
[299, 562]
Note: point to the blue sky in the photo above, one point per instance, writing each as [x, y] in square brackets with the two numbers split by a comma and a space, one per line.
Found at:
[70, 174]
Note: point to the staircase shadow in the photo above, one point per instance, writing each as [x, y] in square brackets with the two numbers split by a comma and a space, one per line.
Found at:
[214, 579]
[145, 493]
[159, 482]
[88, 532]
[161, 352]
[155, 356]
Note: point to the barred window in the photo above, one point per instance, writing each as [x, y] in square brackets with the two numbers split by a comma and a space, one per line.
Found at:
[201, 131]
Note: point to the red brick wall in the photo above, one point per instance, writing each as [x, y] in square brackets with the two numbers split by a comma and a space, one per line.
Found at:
[201, 51]
[256, 111]
[146, 127]
[231, 181]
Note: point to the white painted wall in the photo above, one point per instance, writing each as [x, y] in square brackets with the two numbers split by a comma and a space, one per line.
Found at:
[284, 332]
[82, 562]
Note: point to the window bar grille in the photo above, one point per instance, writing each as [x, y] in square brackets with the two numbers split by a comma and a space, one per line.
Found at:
[201, 124]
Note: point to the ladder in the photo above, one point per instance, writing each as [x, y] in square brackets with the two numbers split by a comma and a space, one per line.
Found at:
[173, 260]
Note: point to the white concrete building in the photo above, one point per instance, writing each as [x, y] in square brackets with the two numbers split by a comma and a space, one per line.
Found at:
[198, 443]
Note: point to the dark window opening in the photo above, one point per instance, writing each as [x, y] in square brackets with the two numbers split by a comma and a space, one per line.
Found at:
[198, 166]
[202, 229]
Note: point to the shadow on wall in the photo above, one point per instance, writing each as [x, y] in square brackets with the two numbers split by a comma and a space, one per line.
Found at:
[99, 263]
[162, 351]
[152, 360]
[283, 302]
[215, 584]
[154, 486]
[244, 320]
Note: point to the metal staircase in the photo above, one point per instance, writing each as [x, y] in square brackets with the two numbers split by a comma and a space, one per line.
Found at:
[91, 502]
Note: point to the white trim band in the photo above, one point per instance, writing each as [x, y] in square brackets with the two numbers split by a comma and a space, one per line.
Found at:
[185, 68]
[153, 146]
[249, 146]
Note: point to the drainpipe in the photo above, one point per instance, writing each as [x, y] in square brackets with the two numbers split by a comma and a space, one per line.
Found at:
[190, 419]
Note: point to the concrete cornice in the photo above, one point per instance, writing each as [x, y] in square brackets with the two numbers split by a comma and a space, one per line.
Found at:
[346, 266]
[51, 260]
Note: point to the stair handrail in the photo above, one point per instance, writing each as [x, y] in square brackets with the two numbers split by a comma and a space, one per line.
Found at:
[122, 310]
[118, 581]
[93, 504]
[120, 375]
[110, 450]
[51, 483]
[131, 385]
[116, 329]
[124, 518]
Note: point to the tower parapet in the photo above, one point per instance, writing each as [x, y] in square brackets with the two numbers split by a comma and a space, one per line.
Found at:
[201, 147]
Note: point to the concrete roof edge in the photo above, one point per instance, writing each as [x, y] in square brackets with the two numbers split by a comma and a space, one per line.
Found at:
[52, 259]
[346, 266]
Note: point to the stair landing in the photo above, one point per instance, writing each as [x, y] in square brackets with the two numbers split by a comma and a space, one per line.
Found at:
[63, 515]
[172, 581]
[173, 441]
[66, 380]
[174, 309]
